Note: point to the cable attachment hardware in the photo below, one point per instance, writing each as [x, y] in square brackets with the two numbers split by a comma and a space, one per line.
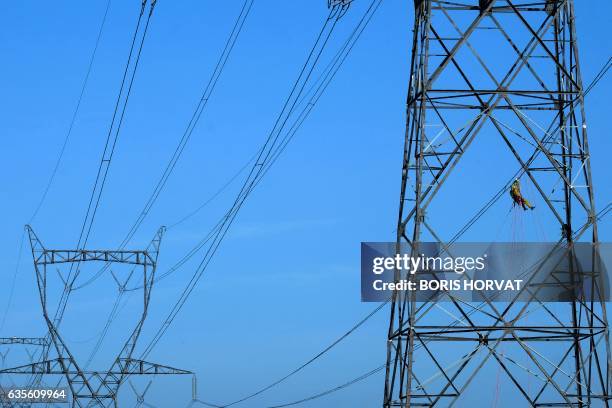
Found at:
[338, 8]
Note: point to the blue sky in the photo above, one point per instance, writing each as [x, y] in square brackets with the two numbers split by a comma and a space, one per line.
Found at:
[286, 280]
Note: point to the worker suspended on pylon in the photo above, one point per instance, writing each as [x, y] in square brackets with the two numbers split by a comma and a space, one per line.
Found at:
[517, 197]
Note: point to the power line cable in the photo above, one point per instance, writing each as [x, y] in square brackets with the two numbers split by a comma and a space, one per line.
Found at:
[74, 116]
[602, 72]
[332, 390]
[604, 211]
[213, 196]
[195, 118]
[316, 91]
[111, 140]
[311, 360]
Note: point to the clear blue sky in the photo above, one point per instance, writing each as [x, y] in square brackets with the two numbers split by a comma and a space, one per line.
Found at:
[286, 280]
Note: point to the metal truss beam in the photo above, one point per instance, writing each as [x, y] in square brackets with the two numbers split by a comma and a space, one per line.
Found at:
[28, 341]
[126, 367]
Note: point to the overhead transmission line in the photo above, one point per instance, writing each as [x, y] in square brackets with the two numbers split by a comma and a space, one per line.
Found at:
[307, 102]
[605, 211]
[311, 360]
[602, 72]
[216, 194]
[195, 117]
[257, 170]
[331, 390]
[206, 94]
[115, 127]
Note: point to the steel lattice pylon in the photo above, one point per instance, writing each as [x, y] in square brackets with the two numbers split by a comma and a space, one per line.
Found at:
[510, 67]
[92, 388]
